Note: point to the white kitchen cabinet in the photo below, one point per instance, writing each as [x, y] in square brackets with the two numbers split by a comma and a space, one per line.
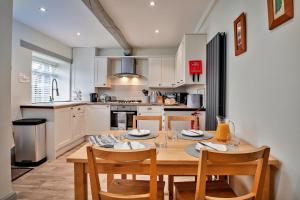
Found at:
[154, 79]
[101, 78]
[192, 47]
[78, 122]
[168, 71]
[63, 129]
[83, 71]
[153, 126]
[162, 72]
[97, 119]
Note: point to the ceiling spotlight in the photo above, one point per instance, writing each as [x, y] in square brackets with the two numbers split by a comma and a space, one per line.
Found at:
[78, 34]
[156, 31]
[152, 3]
[43, 9]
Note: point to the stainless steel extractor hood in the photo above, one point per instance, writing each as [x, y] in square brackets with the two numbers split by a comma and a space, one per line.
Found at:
[128, 68]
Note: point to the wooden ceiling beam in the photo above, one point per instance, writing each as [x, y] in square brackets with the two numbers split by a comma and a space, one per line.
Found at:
[103, 17]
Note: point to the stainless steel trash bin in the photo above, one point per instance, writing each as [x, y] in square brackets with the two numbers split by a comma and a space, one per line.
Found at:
[30, 141]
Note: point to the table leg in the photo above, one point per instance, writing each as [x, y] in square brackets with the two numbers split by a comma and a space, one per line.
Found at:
[80, 182]
[266, 191]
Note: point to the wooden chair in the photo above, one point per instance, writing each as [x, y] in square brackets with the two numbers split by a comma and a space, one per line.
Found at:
[124, 189]
[134, 126]
[149, 118]
[182, 118]
[170, 119]
[221, 189]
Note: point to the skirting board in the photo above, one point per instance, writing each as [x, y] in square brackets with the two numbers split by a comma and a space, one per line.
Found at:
[10, 196]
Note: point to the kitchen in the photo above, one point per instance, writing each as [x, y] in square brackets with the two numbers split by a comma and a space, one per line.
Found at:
[104, 71]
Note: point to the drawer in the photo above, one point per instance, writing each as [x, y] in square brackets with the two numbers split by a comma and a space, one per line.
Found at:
[78, 109]
[150, 109]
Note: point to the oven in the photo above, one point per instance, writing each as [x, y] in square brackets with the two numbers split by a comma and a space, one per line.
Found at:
[129, 111]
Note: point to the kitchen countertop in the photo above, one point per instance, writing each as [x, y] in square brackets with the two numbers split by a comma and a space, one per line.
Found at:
[56, 105]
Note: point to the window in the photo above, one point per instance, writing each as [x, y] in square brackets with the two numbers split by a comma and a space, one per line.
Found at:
[44, 70]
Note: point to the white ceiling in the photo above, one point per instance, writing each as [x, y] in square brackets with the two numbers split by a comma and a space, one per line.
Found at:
[138, 21]
[135, 18]
[63, 19]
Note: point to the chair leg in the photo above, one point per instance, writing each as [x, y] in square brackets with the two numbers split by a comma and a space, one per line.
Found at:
[161, 178]
[134, 177]
[171, 186]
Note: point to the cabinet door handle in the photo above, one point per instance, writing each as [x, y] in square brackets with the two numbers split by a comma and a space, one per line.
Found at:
[149, 108]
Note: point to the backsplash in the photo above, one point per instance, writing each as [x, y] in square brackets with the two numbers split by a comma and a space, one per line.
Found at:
[131, 92]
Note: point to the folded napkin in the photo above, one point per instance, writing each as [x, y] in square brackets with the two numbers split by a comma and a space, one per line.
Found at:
[107, 141]
[210, 145]
[129, 146]
[192, 132]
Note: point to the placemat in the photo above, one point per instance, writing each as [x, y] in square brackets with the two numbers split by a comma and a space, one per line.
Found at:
[206, 136]
[191, 150]
[147, 137]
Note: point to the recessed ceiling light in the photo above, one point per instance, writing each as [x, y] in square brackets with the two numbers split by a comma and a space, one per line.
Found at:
[152, 3]
[43, 9]
[78, 34]
[156, 31]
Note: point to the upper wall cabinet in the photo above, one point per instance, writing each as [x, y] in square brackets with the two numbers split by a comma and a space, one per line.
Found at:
[83, 71]
[192, 47]
[161, 72]
[101, 72]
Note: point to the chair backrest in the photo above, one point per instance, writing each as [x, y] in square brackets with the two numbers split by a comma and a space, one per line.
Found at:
[148, 118]
[182, 118]
[261, 155]
[132, 157]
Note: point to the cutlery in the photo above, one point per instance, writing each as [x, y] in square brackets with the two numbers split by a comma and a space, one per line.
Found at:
[129, 144]
[208, 146]
[196, 132]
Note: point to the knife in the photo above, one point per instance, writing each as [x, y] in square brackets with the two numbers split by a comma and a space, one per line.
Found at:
[129, 144]
[196, 132]
[208, 146]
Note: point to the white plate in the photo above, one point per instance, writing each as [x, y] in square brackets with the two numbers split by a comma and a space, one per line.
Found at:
[192, 133]
[139, 133]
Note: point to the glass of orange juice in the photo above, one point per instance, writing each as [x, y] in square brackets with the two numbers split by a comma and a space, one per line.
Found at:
[224, 132]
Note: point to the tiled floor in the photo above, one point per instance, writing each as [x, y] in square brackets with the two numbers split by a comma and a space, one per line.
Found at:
[50, 181]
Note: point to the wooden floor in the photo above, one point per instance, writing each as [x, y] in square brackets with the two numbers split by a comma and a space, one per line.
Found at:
[52, 180]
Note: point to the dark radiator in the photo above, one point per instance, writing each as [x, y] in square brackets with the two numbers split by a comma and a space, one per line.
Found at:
[215, 80]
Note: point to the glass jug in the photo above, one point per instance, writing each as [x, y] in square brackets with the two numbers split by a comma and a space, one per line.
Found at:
[225, 129]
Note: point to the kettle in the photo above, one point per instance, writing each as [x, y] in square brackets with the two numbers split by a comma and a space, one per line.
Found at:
[94, 97]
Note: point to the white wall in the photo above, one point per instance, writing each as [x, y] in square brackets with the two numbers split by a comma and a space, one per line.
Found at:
[21, 61]
[5, 70]
[264, 84]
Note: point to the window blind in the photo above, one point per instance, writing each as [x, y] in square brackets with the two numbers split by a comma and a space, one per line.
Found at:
[43, 72]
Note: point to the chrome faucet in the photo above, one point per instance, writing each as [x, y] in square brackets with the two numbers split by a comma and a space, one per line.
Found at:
[56, 89]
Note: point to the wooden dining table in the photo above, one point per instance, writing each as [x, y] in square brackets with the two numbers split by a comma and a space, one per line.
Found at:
[171, 160]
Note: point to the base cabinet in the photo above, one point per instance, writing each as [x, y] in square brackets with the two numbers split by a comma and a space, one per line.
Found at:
[97, 119]
[62, 126]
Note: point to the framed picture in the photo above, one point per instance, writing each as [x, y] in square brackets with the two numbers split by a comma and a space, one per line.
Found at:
[240, 35]
[279, 11]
